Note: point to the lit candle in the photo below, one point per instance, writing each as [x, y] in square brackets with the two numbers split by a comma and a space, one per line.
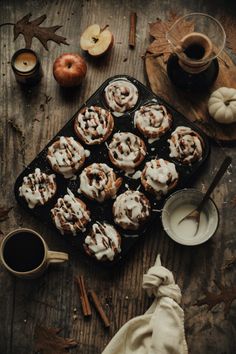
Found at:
[26, 66]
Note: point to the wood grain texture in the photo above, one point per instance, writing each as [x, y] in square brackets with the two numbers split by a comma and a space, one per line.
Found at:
[29, 119]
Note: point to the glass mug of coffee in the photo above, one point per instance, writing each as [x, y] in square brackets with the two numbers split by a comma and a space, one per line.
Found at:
[25, 254]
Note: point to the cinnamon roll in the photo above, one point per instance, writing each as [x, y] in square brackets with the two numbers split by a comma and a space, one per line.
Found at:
[102, 242]
[126, 151]
[131, 210]
[38, 188]
[186, 145]
[70, 214]
[152, 121]
[121, 96]
[98, 181]
[159, 177]
[66, 156]
[93, 125]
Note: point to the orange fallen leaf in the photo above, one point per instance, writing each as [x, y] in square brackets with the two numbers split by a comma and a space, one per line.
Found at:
[159, 29]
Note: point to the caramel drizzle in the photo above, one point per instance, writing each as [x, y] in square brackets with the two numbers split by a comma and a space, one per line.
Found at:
[185, 145]
[99, 181]
[103, 241]
[126, 149]
[153, 119]
[131, 208]
[37, 188]
[159, 174]
[121, 95]
[93, 124]
[67, 157]
[69, 213]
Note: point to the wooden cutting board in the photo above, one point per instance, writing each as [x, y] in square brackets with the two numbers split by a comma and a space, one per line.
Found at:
[194, 106]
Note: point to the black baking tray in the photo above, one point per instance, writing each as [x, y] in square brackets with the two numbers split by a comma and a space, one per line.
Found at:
[99, 153]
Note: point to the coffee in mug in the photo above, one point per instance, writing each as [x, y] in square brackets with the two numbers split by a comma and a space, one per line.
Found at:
[25, 254]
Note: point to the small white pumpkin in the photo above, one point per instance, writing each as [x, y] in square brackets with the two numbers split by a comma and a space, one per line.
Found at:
[222, 105]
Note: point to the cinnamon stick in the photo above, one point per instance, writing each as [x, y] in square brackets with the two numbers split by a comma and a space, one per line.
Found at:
[132, 29]
[99, 308]
[86, 308]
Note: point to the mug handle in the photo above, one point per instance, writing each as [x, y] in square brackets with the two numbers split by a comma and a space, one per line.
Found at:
[57, 257]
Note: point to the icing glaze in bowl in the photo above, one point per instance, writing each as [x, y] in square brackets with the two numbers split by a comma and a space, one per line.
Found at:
[181, 203]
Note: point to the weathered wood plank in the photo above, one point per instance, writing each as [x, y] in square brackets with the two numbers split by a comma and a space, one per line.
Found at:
[51, 299]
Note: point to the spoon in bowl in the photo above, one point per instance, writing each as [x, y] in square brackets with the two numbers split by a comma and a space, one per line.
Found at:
[195, 214]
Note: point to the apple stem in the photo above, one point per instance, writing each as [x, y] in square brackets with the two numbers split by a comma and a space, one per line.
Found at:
[227, 102]
[103, 29]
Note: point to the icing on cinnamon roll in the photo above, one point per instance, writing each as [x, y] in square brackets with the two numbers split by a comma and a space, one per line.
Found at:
[121, 96]
[152, 121]
[126, 151]
[98, 181]
[131, 210]
[186, 145]
[159, 177]
[38, 188]
[66, 156]
[70, 214]
[102, 242]
[93, 125]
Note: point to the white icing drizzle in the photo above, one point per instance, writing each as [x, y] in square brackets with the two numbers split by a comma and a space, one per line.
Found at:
[103, 241]
[94, 124]
[121, 96]
[66, 156]
[131, 209]
[136, 175]
[185, 145]
[152, 120]
[152, 140]
[37, 188]
[70, 214]
[127, 150]
[98, 181]
[159, 175]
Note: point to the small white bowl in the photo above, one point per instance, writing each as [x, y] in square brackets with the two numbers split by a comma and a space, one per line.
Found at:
[189, 197]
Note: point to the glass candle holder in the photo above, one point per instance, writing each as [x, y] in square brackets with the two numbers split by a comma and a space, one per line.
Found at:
[193, 64]
[26, 66]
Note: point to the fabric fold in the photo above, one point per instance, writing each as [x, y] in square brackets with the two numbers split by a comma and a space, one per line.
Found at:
[161, 329]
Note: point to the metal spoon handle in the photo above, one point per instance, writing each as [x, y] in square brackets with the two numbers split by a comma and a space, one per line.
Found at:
[225, 164]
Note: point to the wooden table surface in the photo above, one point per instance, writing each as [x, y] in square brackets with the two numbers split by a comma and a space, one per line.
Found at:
[29, 119]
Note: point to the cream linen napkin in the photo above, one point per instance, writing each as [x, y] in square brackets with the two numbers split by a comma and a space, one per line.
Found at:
[161, 329]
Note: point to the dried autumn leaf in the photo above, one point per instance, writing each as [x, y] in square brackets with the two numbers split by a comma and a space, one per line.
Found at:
[47, 341]
[227, 296]
[4, 213]
[31, 29]
[159, 29]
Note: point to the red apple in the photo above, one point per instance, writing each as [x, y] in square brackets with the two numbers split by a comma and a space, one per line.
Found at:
[69, 69]
[96, 41]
